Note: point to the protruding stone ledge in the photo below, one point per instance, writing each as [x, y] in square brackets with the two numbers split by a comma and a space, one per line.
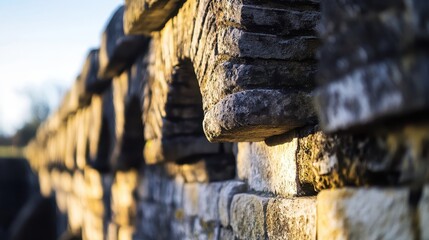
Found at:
[239, 43]
[145, 16]
[177, 148]
[118, 51]
[89, 83]
[391, 88]
[255, 16]
[255, 115]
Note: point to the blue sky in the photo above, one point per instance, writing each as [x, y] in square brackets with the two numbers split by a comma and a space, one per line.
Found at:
[42, 48]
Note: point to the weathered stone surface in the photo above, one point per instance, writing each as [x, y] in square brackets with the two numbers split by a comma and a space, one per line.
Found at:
[292, 218]
[373, 93]
[118, 51]
[238, 43]
[253, 115]
[229, 189]
[256, 16]
[178, 148]
[275, 168]
[238, 75]
[248, 216]
[364, 214]
[145, 16]
[423, 213]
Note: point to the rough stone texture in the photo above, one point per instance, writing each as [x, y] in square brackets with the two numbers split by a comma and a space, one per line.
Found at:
[229, 189]
[118, 51]
[374, 93]
[260, 17]
[238, 43]
[248, 216]
[281, 166]
[364, 214]
[293, 218]
[256, 116]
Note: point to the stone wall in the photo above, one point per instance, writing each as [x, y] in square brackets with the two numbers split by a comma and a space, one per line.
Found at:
[246, 119]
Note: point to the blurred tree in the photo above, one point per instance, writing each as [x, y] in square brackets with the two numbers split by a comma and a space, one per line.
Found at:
[39, 111]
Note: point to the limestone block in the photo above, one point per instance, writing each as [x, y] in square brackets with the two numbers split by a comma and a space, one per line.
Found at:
[278, 167]
[365, 41]
[93, 228]
[229, 189]
[291, 218]
[89, 83]
[191, 197]
[242, 152]
[423, 212]
[125, 233]
[154, 221]
[234, 76]
[205, 231]
[74, 212]
[209, 168]
[118, 51]
[112, 231]
[178, 148]
[208, 210]
[145, 16]
[248, 216]
[337, 14]
[128, 150]
[256, 17]
[123, 204]
[238, 43]
[96, 183]
[45, 182]
[253, 115]
[226, 234]
[389, 88]
[367, 213]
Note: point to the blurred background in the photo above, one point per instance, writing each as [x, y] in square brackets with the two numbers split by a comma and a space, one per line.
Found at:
[42, 47]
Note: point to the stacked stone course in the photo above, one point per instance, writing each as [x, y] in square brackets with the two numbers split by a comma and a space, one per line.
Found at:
[199, 119]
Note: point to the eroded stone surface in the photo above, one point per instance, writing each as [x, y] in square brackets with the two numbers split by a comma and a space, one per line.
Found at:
[248, 216]
[229, 189]
[253, 115]
[291, 218]
[384, 89]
